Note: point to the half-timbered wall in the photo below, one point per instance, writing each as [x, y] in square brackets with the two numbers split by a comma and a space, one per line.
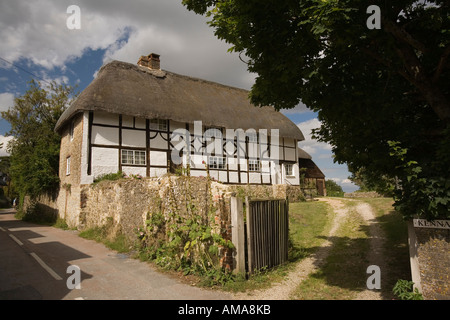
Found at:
[133, 145]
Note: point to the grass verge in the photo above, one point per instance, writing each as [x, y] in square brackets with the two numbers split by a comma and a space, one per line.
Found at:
[309, 222]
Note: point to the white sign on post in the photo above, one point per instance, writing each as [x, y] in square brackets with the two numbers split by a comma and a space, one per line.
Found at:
[437, 224]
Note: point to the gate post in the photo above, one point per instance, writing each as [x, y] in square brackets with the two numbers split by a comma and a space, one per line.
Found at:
[237, 234]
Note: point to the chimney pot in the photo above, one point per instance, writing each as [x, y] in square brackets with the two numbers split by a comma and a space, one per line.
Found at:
[151, 61]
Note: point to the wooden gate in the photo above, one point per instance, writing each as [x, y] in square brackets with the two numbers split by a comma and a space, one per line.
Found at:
[266, 230]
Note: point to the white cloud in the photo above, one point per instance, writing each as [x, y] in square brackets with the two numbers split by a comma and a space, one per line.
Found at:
[300, 108]
[311, 145]
[6, 101]
[5, 141]
[126, 29]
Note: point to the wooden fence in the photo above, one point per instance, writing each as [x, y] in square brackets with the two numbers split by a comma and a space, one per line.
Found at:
[267, 232]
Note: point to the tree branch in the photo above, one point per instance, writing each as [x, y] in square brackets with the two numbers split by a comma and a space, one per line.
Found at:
[402, 35]
[441, 64]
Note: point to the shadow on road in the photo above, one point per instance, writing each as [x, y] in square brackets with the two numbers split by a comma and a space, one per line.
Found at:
[33, 260]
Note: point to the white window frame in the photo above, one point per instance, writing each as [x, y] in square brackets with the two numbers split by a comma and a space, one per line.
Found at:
[68, 161]
[217, 163]
[254, 165]
[133, 157]
[289, 169]
[159, 124]
[252, 137]
[211, 132]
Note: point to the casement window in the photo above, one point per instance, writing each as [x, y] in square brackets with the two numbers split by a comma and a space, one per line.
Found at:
[133, 157]
[217, 162]
[213, 132]
[289, 169]
[159, 124]
[252, 137]
[254, 165]
[67, 166]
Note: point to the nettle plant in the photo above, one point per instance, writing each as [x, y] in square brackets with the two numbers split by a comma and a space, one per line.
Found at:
[186, 237]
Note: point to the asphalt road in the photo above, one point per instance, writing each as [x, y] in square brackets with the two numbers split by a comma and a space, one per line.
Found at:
[34, 262]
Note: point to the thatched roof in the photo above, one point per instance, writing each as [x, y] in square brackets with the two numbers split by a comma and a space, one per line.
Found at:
[312, 170]
[134, 90]
[302, 154]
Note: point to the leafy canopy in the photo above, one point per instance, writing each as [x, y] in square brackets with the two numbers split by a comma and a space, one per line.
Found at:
[374, 90]
[35, 147]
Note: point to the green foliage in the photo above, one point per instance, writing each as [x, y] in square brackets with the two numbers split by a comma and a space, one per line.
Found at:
[368, 86]
[333, 189]
[186, 240]
[403, 290]
[35, 148]
[367, 181]
[421, 193]
[109, 177]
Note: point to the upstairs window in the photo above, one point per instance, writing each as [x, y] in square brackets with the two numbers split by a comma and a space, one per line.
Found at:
[159, 124]
[213, 132]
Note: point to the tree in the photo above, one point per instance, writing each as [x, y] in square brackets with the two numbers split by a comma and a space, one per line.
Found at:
[376, 91]
[333, 189]
[34, 151]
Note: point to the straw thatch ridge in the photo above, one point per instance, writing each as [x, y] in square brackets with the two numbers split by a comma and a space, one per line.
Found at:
[302, 154]
[128, 89]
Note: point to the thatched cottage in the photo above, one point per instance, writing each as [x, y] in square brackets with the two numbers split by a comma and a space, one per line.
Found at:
[139, 119]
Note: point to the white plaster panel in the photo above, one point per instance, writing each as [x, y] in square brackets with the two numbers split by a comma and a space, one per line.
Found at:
[243, 177]
[232, 163]
[134, 170]
[198, 161]
[223, 176]
[234, 177]
[158, 141]
[198, 173]
[133, 138]
[214, 174]
[157, 172]
[101, 117]
[104, 160]
[105, 135]
[253, 150]
[289, 142]
[289, 154]
[254, 177]
[265, 177]
[158, 158]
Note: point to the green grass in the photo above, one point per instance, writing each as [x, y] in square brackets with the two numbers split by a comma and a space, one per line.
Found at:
[308, 222]
[102, 235]
[343, 273]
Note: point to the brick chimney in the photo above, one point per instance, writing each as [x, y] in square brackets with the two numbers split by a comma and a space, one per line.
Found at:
[151, 61]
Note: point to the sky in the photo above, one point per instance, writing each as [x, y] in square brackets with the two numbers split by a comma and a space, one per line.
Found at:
[38, 40]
